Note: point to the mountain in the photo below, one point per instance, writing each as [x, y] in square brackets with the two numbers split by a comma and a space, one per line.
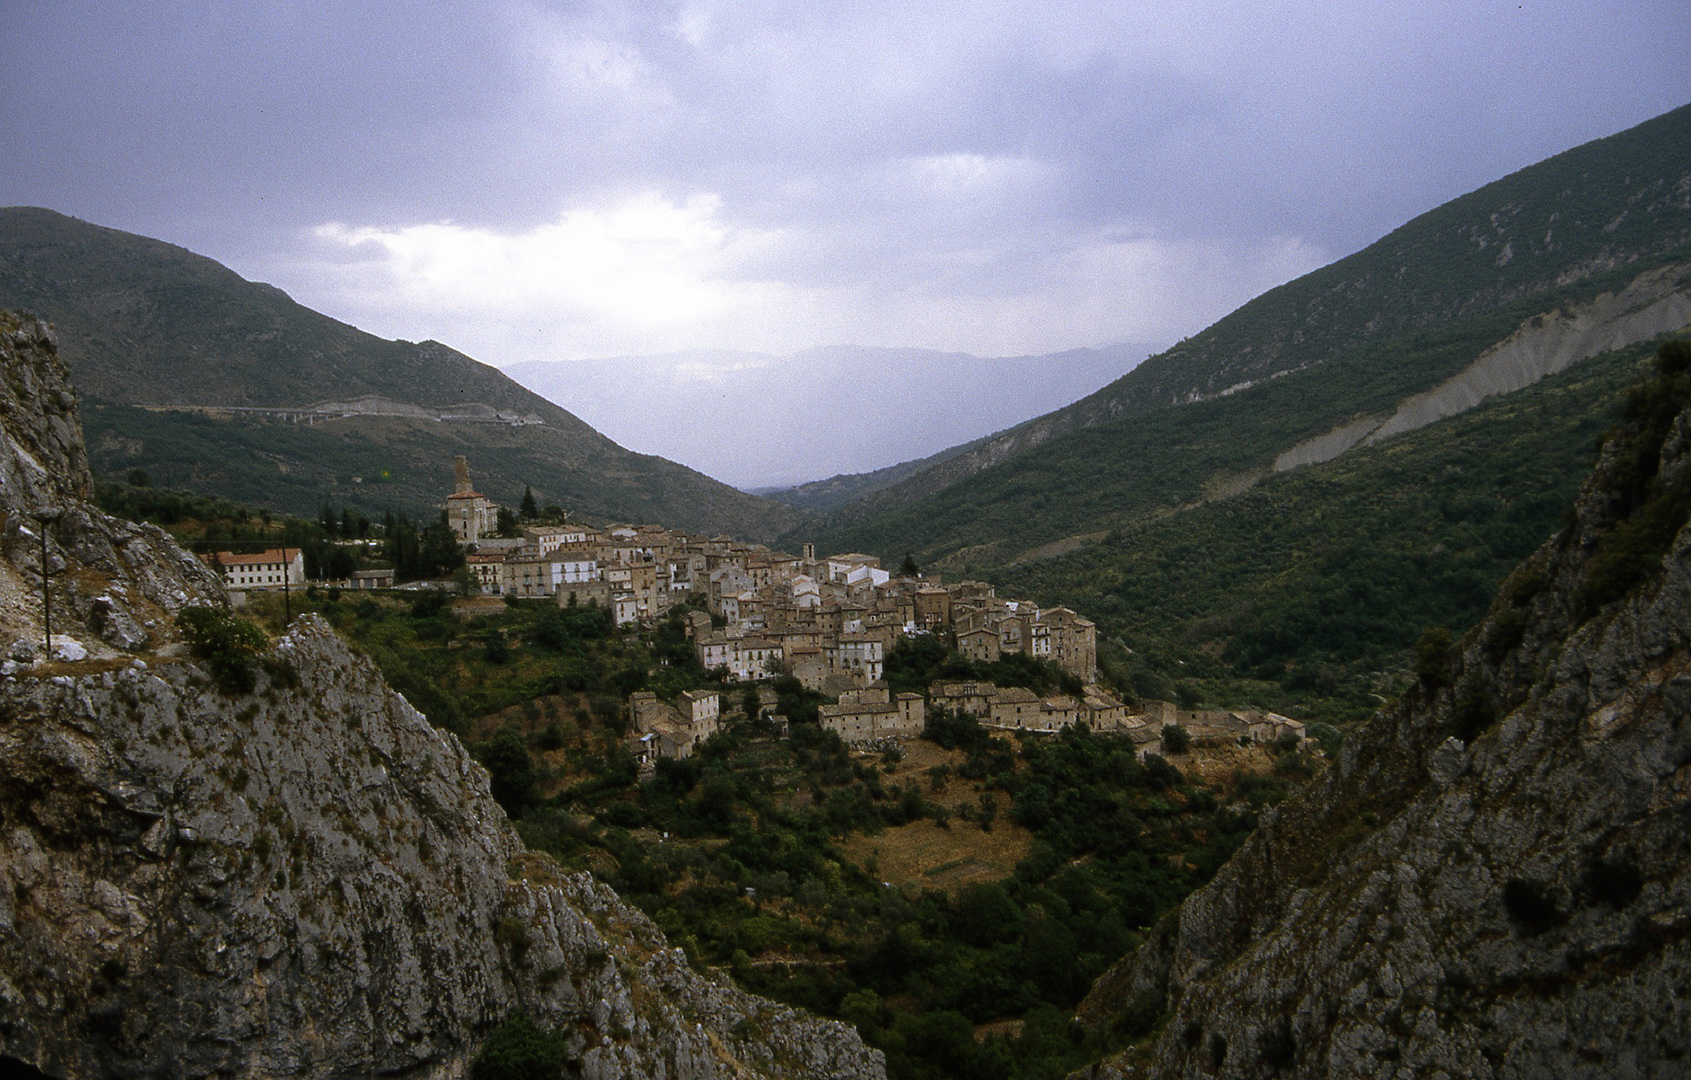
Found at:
[1351, 340]
[290, 872]
[844, 409]
[1231, 508]
[1494, 877]
[1305, 593]
[169, 347]
[827, 495]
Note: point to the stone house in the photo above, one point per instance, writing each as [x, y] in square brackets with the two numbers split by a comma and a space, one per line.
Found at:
[1102, 710]
[932, 608]
[489, 571]
[1074, 642]
[660, 730]
[527, 574]
[874, 713]
[970, 698]
[370, 579]
[1014, 707]
[545, 539]
[809, 665]
[981, 645]
[858, 655]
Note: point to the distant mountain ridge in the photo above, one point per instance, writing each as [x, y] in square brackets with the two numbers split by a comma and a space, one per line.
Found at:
[146, 325]
[832, 493]
[843, 410]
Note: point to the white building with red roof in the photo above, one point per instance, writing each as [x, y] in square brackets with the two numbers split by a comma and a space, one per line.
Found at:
[272, 569]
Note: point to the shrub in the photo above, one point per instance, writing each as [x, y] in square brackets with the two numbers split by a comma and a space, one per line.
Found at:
[518, 1049]
[511, 773]
[1473, 711]
[429, 603]
[1432, 656]
[1616, 884]
[1176, 739]
[229, 644]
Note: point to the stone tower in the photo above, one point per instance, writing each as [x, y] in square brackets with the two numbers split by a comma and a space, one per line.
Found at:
[471, 514]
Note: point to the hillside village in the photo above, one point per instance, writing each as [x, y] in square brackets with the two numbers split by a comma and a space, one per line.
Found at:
[828, 622]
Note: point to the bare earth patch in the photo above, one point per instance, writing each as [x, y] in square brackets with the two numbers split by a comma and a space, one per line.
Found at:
[922, 855]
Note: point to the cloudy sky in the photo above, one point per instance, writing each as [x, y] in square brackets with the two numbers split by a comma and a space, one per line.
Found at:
[558, 181]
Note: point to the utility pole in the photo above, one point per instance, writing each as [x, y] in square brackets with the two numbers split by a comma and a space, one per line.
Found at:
[45, 516]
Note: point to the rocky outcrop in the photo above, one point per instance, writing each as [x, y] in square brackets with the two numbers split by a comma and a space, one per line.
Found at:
[1656, 302]
[306, 880]
[311, 880]
[1494, 879]
[113, 584]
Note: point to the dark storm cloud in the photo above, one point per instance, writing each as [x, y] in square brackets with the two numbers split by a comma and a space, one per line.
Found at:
[539, 180]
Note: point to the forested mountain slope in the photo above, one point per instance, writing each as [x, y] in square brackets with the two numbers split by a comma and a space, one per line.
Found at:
[1395, 318]
[145, 324]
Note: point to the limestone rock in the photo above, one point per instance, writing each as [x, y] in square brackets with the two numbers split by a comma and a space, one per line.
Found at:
[309, 880]
[1494, 880]
[127, 576]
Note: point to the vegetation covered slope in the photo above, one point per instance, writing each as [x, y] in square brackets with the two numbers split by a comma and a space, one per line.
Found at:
[1622, 202]
[1306, 592]
[1494, 879]
[144, 324]
[1168, 524]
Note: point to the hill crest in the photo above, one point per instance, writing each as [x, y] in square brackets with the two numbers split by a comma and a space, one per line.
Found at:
[169, 347]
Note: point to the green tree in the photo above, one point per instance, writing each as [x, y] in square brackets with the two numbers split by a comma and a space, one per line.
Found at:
[1432, 656]
[1176, 739]
[529, 508]
[519, 1049]
[511, 773]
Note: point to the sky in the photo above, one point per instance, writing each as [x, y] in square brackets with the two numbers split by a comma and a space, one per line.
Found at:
[535, 181]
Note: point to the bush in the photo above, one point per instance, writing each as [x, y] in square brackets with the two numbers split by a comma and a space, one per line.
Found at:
[1530, 907]
[229, 644]
[428, 603]
[511, 772]
[1432, 656]
[1176, 739]
[519, 1049]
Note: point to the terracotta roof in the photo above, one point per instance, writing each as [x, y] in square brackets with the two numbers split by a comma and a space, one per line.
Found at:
[274, 555]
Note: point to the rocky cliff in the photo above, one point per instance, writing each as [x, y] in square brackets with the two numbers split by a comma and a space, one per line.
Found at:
[1494, 879]
[306, 879]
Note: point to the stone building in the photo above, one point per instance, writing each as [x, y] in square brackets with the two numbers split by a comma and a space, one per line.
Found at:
[661, 730]
[471, 514]
[874, 712]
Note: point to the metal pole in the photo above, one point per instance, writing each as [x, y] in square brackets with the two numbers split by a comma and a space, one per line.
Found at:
[46, 593]
[44, 517]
